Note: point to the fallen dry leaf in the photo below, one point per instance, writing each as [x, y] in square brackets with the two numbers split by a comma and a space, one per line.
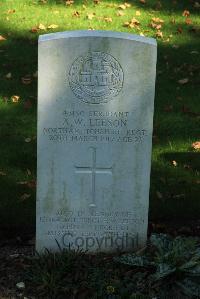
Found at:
[90, 16]
[159, 26]
[41, 27]
[186, 13]
[120, 13]
[20, 285]
[35, 75]
[27, 140]
[26, 80]
[108, 19]
[52, 26]
[122, 6]
[34, 29]
[97, 2]
[30, 184]
[126, 24]
[173, 21]
[174, 163]
[196, 5]
[143, 1]
[134, 23]
[166, 40]
[183, 81]
[159, 195]
[179, 196]
[179, 30]
[127, 4]
[10, 11]
[2, 173]
[196, 145]
[76, 14]
[2, 38]
[69, 2]
[8, 76]
[157, 20]
[188, 21]
[159, 34]
[175, 46]
[111, 5]
[137, 13]
[22, 183]
[25, 196]
[28, 172]
[15, 99]
[155, 26]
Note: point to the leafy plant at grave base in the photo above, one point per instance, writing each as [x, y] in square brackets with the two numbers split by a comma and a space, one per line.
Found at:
[75, 275]
[68, 274]
[173, 264]
[58, 273]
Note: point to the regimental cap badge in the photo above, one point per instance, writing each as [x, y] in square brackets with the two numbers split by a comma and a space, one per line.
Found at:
[96, 78]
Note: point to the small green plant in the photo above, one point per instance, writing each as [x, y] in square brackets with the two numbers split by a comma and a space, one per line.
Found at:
[172, 263]
[56, 274]
[70, 274]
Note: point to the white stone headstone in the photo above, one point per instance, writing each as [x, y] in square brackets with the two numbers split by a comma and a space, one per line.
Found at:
[95, 115]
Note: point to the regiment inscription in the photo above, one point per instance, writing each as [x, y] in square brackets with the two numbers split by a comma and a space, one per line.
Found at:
[95, 126]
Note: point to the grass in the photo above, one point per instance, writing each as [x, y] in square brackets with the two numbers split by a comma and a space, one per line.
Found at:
[175, 186]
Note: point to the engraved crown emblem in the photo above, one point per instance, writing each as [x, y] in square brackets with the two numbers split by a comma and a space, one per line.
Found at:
[96, 78]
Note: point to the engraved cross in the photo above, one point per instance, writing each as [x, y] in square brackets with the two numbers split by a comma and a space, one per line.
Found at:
[93, 169]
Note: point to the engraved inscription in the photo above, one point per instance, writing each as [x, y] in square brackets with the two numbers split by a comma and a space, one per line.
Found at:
[93, 170]
[71, 225]
[96, 78]
[95, 126]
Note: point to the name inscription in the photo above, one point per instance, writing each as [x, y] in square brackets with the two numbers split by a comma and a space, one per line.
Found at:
[95, 126]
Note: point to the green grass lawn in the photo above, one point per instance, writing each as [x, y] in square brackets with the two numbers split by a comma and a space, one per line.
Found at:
[175, 179]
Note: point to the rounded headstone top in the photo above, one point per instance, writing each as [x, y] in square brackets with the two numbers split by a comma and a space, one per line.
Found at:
[97, 33]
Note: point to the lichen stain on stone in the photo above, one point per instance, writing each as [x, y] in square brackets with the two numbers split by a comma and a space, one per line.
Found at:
[64, 193]
[81, 186]
[50, 195]
[64, 198]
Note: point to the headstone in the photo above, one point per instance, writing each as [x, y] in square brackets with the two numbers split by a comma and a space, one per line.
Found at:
[95, 114]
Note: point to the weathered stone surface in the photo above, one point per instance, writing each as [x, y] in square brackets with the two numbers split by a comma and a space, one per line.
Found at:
[95, 114]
